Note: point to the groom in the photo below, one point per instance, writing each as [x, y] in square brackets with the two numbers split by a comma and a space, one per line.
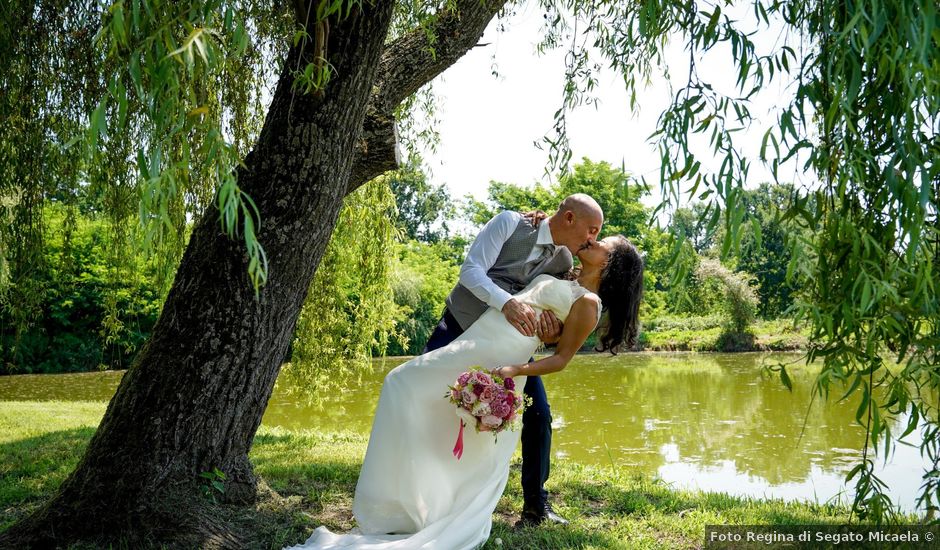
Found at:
[506, 255]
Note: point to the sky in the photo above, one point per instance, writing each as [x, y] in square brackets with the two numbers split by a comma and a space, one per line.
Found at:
[487, 124]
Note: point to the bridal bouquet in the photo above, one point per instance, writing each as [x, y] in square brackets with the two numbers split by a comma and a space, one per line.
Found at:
[490, 403]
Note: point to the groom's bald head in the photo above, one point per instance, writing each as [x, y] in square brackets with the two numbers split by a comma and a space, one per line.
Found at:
[577, 222]
[582, 205]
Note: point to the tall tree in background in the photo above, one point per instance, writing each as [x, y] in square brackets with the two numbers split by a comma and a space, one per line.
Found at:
[765, 251]
[613, 188]
[349, 310]
[166, 90]
[424, 209]
[766, 242]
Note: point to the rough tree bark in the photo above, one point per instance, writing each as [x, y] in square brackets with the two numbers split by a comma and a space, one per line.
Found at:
[194, 397]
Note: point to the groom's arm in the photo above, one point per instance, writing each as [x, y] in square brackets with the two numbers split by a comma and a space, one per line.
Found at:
[482, 255]
[480, 258]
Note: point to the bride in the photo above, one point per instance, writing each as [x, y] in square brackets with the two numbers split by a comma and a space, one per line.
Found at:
[412, 491]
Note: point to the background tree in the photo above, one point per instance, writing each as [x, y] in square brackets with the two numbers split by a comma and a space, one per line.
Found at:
[426, 260]
[349, 310]
[765, 242]
[765, 251]
[423, 274]
[689, 223]
[619, 196]
[89, 320]
[510, 196]
[614, 189]
[424, 210]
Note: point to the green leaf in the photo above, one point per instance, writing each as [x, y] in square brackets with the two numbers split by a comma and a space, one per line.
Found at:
[866, 294]
[713, 23]
[98, 125]
[861, 414]
[855, 383]
[785, 378]
[756, 231]
[117, 23]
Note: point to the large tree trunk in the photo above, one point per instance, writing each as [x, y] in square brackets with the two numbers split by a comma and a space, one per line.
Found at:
[194, 397]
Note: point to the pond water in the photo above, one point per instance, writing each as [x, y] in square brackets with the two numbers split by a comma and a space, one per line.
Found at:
[705, 421]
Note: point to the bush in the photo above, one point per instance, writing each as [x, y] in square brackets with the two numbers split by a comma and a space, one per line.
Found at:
[91, 316]
[740, 299]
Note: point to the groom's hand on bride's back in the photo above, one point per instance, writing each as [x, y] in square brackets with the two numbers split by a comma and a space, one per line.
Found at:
[521, 316]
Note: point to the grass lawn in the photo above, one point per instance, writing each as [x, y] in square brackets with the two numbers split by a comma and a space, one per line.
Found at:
[313, 477]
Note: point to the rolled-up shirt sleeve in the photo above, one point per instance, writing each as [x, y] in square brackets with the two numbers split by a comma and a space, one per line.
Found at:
[482, 255]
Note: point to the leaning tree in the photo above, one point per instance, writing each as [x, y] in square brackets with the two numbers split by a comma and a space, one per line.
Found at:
[160, 108]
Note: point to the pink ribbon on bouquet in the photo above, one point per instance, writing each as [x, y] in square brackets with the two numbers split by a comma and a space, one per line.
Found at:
[458, 447]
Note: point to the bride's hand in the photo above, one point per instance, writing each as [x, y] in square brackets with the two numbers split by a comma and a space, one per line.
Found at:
[507, 371]
[535, 216]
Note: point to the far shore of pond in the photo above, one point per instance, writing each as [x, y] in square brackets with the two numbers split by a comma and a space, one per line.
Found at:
[668, 335]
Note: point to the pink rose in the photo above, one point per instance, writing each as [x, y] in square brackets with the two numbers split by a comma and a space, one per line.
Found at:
[509, 384]
[500, 409]
[491, 421]
[489, 394]
[463, 379]
[468, 397]
[480, 409]
[481, 378]
[455, 394]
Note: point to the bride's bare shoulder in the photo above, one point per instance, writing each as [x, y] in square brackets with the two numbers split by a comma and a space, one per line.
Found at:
[590, 297]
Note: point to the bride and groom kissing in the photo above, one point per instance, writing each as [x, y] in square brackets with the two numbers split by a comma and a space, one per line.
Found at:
[517, 289]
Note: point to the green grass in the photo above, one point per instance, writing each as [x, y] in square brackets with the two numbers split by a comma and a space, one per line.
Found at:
[313, 477]
[706, 334]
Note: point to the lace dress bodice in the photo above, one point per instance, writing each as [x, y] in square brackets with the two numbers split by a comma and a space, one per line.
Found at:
[548, 293]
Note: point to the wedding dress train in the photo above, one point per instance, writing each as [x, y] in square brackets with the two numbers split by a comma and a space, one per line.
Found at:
[412, 492]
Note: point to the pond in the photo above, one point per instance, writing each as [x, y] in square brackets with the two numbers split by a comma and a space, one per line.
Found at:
[704, 421]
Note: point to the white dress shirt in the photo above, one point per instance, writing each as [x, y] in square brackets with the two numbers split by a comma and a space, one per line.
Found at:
[485, 249]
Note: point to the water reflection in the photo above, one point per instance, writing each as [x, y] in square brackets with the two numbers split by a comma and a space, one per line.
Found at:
[713, 422]
[707, 421]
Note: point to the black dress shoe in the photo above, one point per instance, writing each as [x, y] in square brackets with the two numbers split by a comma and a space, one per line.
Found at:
[532, 517]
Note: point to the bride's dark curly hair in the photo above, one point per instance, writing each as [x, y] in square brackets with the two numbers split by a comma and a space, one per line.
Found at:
[621, 290]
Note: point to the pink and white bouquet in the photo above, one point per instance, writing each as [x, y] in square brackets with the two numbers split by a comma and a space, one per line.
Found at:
[489, 403]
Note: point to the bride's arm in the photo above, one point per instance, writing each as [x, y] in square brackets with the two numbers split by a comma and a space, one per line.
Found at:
[580, 322]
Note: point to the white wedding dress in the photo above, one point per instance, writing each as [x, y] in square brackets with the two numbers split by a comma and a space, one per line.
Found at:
[412, 492]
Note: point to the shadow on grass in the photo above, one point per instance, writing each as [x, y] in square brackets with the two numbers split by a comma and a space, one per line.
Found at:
[31, 469]
[293, 465]
[614, 510]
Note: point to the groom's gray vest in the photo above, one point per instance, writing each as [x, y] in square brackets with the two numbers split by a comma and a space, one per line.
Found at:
[511, 272]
